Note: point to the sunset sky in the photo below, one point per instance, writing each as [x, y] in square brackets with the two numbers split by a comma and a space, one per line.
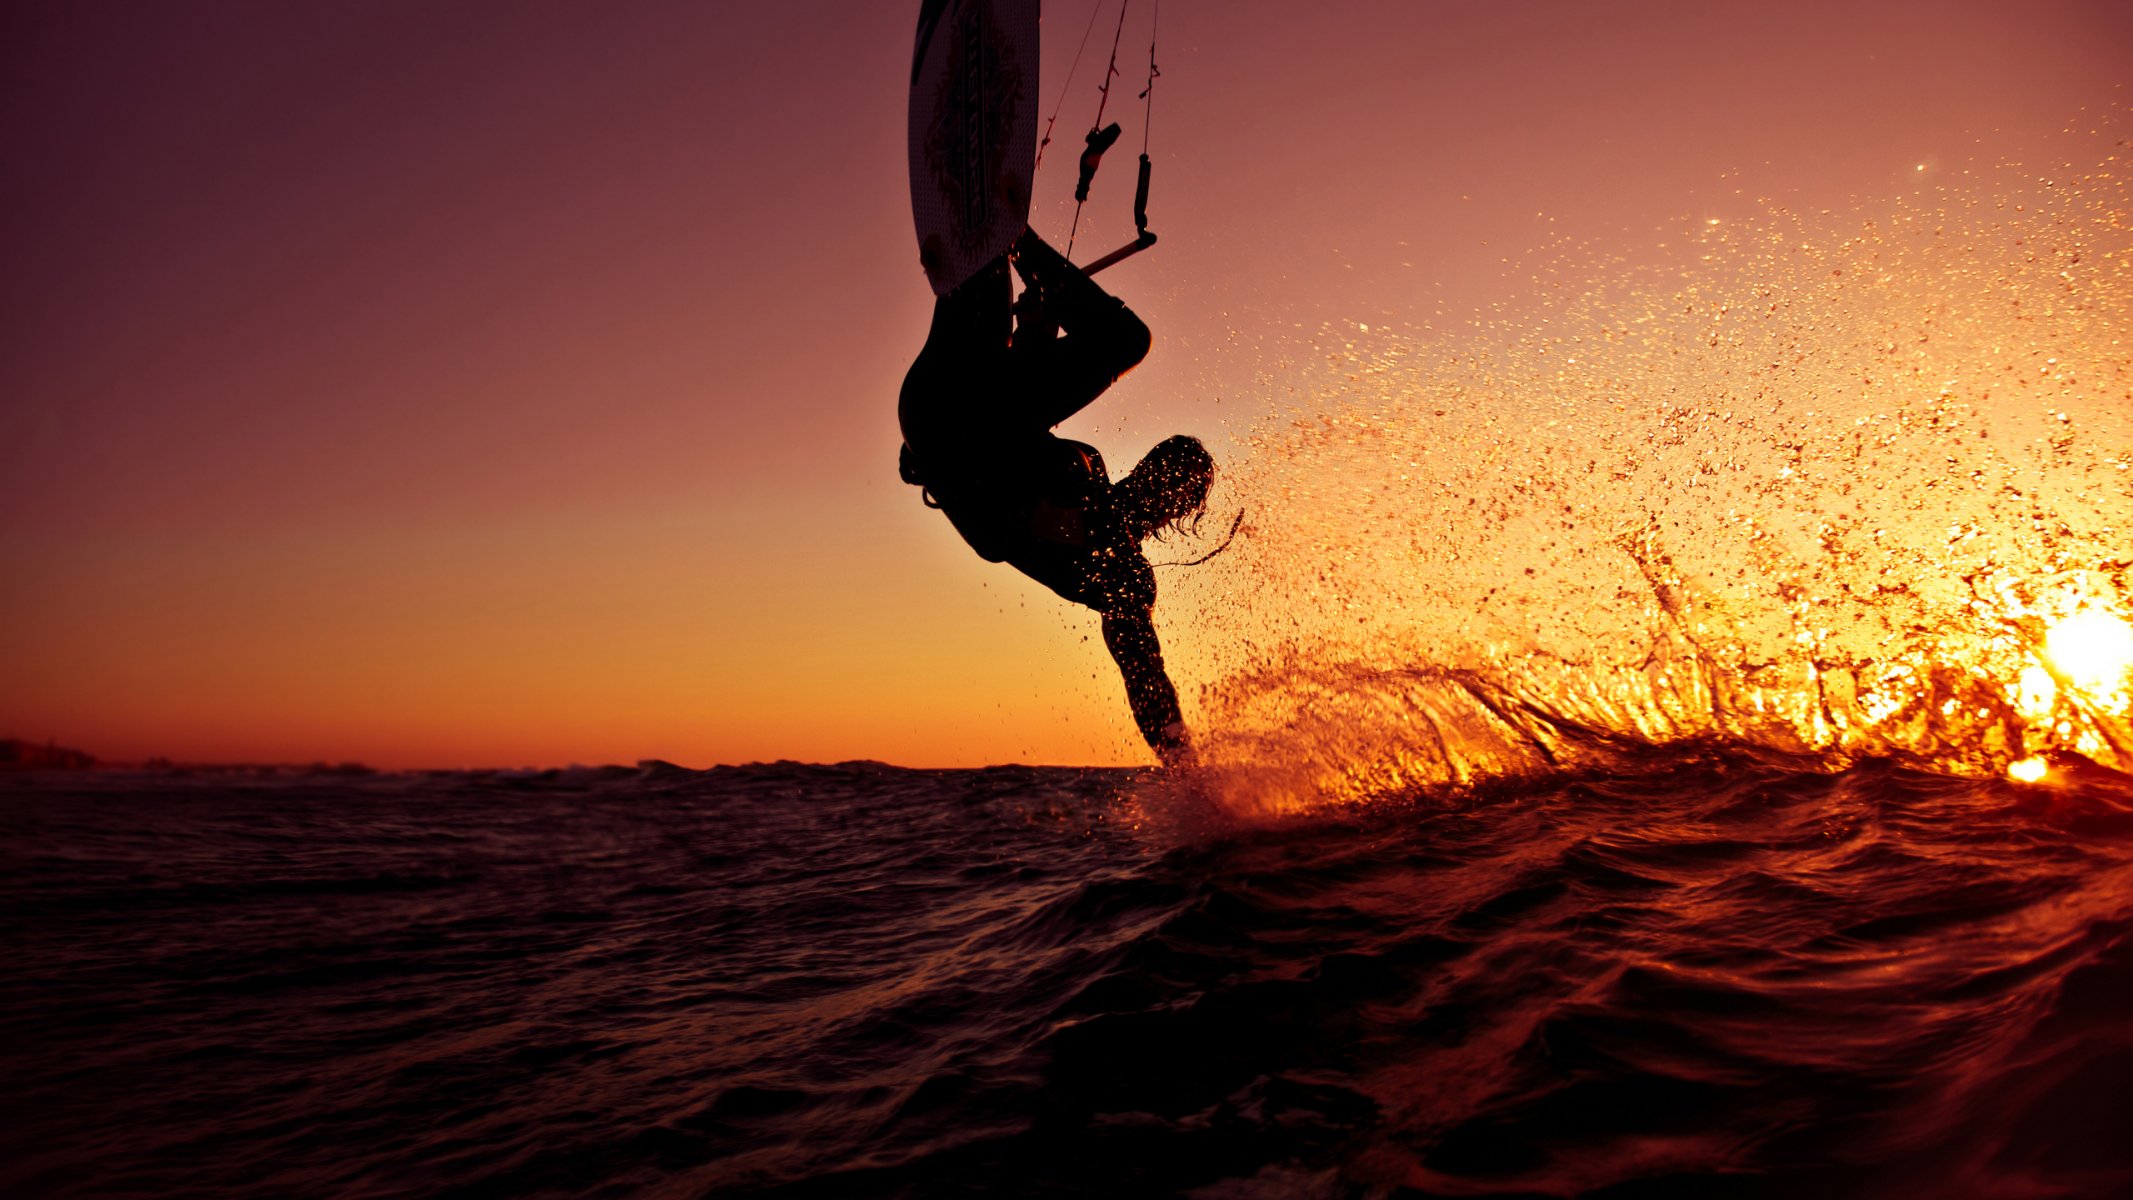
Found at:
[514, 383]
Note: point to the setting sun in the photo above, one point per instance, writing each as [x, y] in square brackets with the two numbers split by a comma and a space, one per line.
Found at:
[2092, 649]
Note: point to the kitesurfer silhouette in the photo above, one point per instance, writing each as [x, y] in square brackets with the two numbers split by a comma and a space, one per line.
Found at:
[977, 411]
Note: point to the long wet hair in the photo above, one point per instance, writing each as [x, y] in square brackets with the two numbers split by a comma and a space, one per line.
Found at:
[1168, 488]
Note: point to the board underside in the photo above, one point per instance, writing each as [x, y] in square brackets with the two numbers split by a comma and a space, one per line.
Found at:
[973, 132]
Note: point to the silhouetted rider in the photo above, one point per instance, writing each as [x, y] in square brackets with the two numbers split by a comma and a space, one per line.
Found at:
[977, 412]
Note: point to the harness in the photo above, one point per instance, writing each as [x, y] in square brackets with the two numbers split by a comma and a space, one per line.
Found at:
[1070, 486]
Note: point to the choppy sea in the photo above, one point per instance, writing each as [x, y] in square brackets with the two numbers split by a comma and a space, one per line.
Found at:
[1712, 971]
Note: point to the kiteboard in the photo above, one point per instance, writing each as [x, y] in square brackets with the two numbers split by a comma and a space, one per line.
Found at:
[973, 132]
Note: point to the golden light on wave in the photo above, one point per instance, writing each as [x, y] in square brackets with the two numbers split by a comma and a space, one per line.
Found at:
[2029, 770]
[2094, 651]
[2035, 693]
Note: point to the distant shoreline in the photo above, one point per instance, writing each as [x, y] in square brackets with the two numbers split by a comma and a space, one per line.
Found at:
[18, 756]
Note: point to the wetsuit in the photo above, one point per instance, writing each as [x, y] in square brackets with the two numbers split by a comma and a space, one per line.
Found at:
[977, 411]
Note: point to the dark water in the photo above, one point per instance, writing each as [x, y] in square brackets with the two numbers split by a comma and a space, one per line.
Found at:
[1700, 975]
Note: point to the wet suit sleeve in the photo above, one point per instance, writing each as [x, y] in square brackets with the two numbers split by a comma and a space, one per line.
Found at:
[1130, 636]
[1103, 338]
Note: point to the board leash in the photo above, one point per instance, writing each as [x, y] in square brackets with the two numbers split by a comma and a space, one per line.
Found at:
[1234, 526]
[1140, 189]
[1155, 18]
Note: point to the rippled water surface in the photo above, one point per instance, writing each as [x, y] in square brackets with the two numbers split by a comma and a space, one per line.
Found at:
[1710, 972]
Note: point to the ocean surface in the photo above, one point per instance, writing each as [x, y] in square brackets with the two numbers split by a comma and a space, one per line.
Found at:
[1707, 971]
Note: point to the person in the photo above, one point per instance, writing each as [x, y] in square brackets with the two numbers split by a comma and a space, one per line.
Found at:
[977, 410]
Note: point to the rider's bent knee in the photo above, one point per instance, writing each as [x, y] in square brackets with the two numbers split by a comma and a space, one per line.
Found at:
[1133, 341]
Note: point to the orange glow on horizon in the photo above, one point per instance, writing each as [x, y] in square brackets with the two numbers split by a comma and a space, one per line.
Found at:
[388, 386]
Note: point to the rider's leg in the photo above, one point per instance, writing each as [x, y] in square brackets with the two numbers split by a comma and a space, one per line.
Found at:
[1103, 338]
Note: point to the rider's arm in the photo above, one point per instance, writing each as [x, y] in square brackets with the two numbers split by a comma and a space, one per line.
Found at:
[1130, 636]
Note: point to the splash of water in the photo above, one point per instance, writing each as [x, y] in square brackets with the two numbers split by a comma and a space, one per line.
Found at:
[1846, 484]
